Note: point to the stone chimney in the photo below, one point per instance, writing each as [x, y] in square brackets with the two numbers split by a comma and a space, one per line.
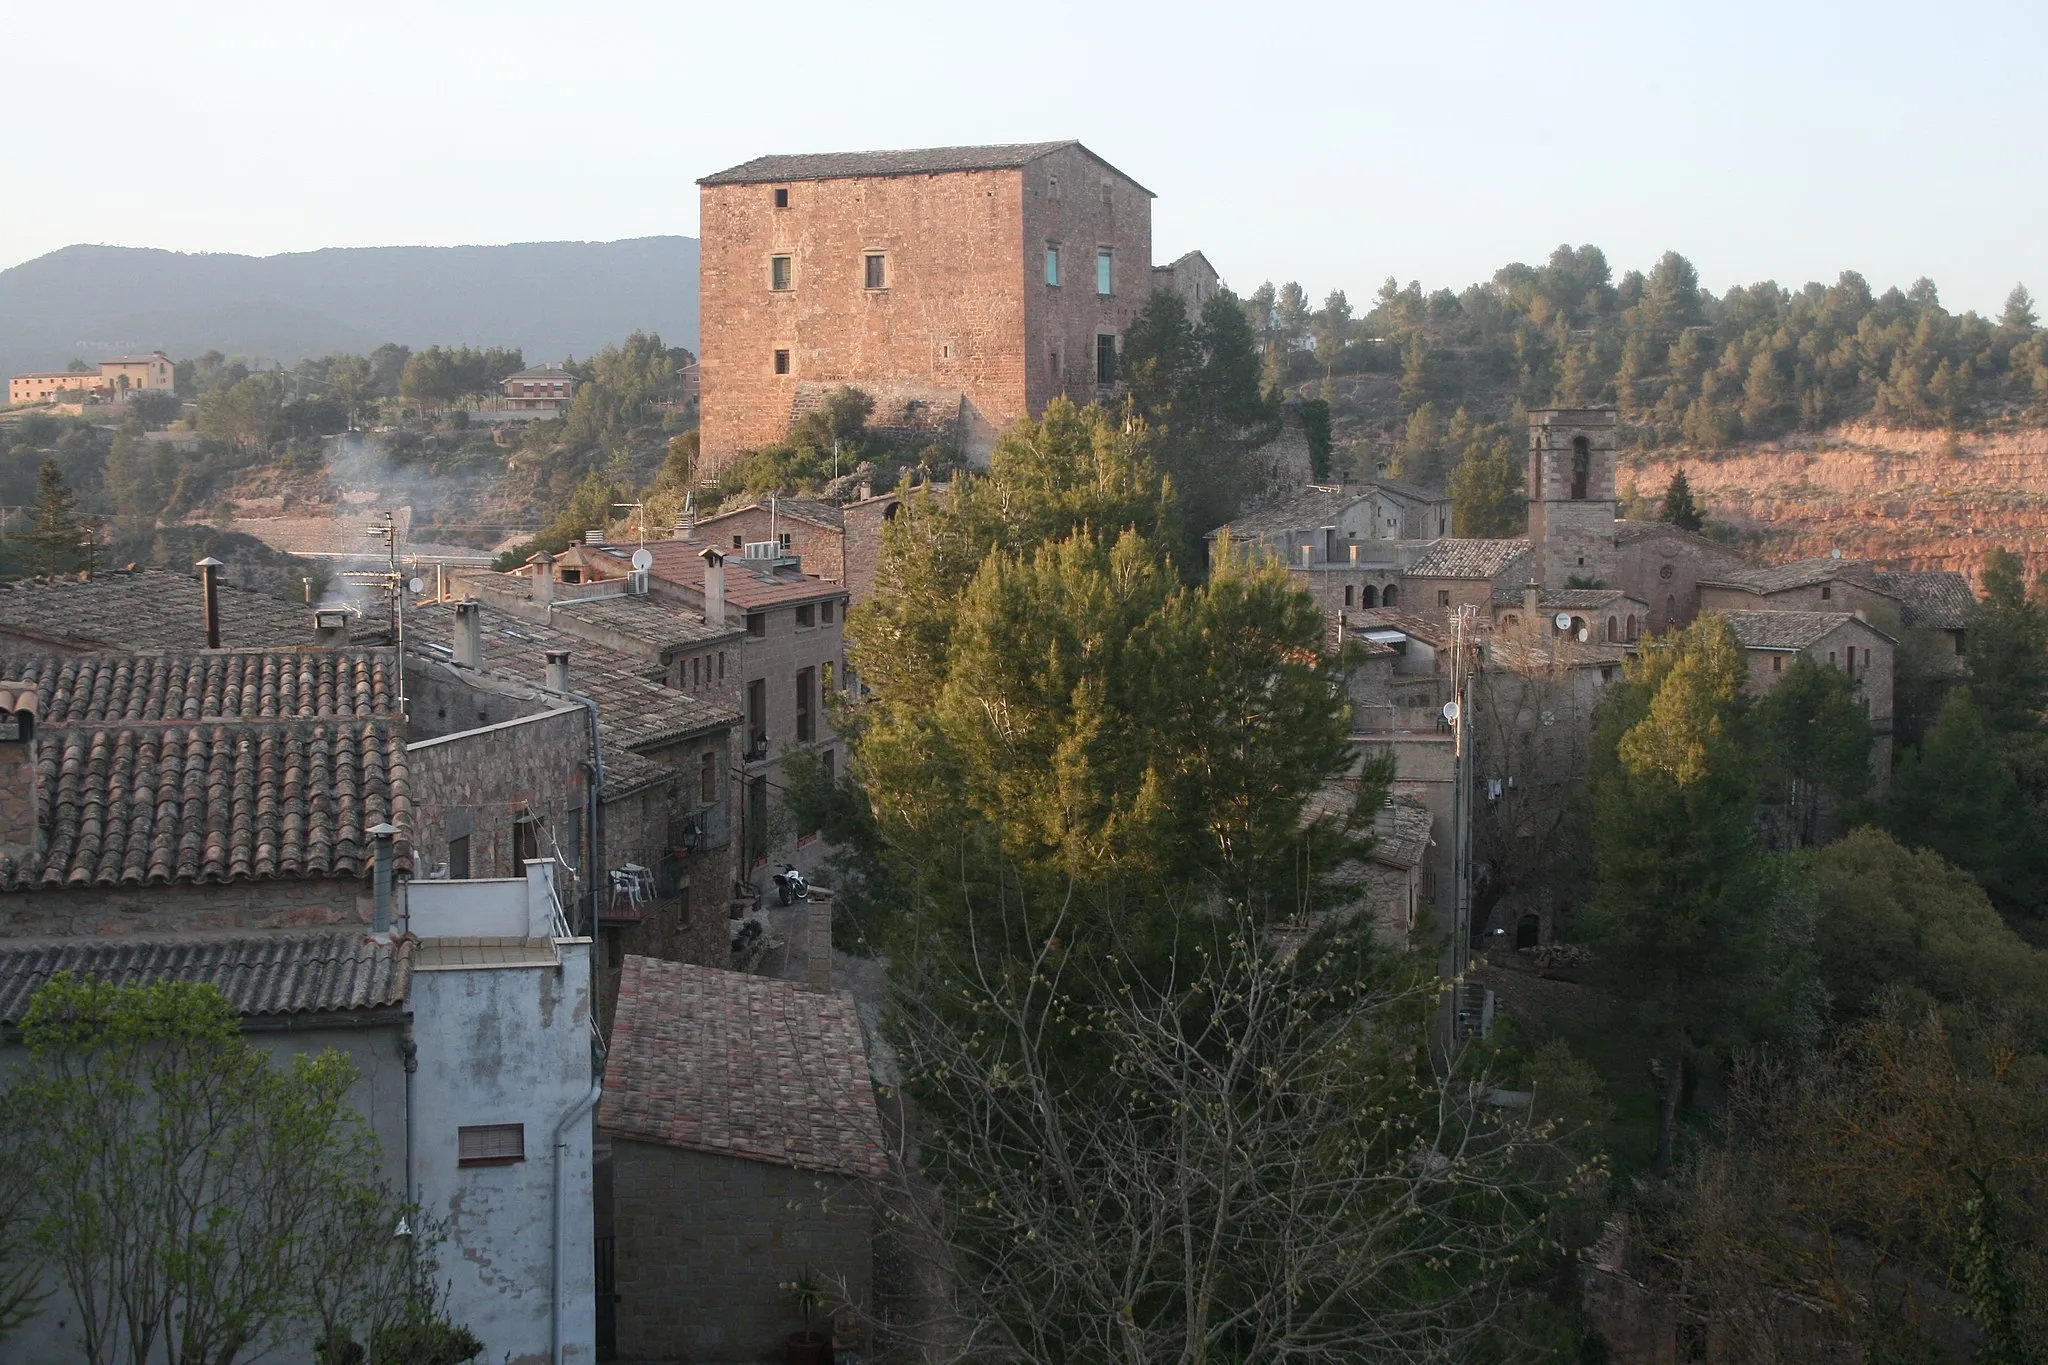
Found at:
[714, 588]
[1531, 594]
[21, 826]
[542, 573]
[469, 635]
[558, 670]
[330, 626]
[209, 594]
[383, 835]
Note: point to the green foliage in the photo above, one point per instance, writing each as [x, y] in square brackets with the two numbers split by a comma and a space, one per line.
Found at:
[246, 415]
[190, 1193]
[1682, 921]
[1315, 426]
[1195, 381]
[1678, 506]
[589, 509]
[1957, 795]
[438, 376]
[1894, 918]
[1812, 742]
[140, 477]
[60, 530]
[1488, 496]
[424, 1342]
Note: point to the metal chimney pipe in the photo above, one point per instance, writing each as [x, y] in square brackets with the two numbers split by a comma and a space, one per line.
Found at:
[209, 589]
[383, 834]
[558, 670]
[714, 588]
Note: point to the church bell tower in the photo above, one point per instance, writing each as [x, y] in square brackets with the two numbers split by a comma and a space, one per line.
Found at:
[1571, 495]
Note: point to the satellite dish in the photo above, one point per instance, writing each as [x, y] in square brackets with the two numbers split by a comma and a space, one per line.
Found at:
[643, 558]
[1564, 620]
[1451, 712]
[1835, 553]
[1584, 635]
[417, 586]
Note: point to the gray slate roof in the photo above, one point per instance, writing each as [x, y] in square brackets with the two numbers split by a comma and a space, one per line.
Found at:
[145, 609]
[747, 1066]
[914, 161]
[1784, 629]
[1564, 599]
[1456, 557]
[1938, 598]
[261, 974]
[1317, 505]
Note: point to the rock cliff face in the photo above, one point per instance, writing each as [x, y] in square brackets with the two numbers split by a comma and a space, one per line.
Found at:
[1879, 494]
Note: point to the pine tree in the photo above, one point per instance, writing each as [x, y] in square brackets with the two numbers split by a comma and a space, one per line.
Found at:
[1679, 507]
[59, 533]
[2019, 311]
[1958, 796]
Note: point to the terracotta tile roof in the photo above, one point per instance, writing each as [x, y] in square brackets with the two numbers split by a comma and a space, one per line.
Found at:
[1299, 509]
[1937, 598]
[1634, 532]
[1433, 633]
[260, 974]
[747, 587]
[719, 1061]
[1783, 629]
[1456, 557]
[145, 609]
[216, 767]
[918, 161]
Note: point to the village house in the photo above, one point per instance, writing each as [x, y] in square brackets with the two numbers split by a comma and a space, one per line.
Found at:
[1770, 640]
[544, 390]
[814, 532]
[117, 379]
[517, 726]
[1459, 572]
[1934, 600]
[746, 1148]
[977, 283]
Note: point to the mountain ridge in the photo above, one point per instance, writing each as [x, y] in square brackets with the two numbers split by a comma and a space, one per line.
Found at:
[551, 299]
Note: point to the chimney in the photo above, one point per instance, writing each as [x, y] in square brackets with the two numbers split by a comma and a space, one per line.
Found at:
[558, 670]
[714, 588]
[1530, 595]
[543, 574]
[469, 635]
[383, 834]
[330, 626]
[21, 826]
[209, 591]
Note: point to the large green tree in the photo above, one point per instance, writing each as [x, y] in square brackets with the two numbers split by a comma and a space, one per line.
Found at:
[1681, 920]
[1487, 494]
[59, 534]
[1957, 795]
[1813, 743]
[1195, 381]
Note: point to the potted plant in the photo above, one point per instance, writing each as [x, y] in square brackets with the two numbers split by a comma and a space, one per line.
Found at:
[810, 1346]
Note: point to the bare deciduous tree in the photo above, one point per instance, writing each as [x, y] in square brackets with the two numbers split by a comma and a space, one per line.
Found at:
[1235, 1158]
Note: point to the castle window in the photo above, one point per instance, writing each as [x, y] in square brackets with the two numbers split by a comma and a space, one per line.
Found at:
[1827, 591]
[782, 362]
[782, 196]
[1105, 196]
[1052, 361]
[876, 271]
[1052, 266]
[1348, 593]
[1391, 597]
[1582, 467]
[1613, 629]
[1102, 272]
[778, 272]
[1372, 595]
[1105, 360]
[1631, 627]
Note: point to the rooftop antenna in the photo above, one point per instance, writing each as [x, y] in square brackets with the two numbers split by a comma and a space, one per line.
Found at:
[394, 583]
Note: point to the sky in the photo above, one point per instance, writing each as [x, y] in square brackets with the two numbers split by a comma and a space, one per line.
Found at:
[1335, 144]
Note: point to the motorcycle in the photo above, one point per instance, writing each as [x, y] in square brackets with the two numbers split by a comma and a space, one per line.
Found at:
[790, 886]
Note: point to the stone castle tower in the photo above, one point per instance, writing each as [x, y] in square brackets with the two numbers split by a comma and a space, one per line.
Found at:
[1571, 495]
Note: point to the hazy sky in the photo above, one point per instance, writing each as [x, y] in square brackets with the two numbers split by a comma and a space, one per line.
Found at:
[1331, 143]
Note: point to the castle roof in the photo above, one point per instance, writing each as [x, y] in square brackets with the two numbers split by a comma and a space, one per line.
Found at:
[1788, 630]
[1458, 557]
[1007, 156]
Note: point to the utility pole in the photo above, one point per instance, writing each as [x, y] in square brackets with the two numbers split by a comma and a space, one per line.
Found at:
[1458, 711]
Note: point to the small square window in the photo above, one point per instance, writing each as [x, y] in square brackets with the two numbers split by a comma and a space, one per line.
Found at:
[739, 542]
[1443, 597]
[806, 616]
[826, 611]
[779, 272]
[1102, 271]
[782, 362]
[490, 1144]
[876, 272]
[1827, 591]
[757, 624]
[1052, 266]
[782, 196]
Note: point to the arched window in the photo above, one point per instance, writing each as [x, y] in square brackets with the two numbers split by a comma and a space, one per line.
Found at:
[1631, 627]
[1390, 596]
[1372, 595]
[1613, 629]
[1582, 467]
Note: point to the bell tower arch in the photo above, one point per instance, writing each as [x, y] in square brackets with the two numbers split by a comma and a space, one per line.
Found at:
[1572, 455]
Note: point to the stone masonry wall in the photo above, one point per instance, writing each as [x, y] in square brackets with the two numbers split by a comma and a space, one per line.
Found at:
[1074, 202]
[1665, 570]
[268, 904]
[705, 1243]
[1571, 537]
[861, 546]
[951, 316]
[477, 783]
[819, 547]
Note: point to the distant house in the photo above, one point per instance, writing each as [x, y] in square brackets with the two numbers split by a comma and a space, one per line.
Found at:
[1843, 641]
[745, 1147]
[1191, 277]
[116, 379]
[543, 389]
